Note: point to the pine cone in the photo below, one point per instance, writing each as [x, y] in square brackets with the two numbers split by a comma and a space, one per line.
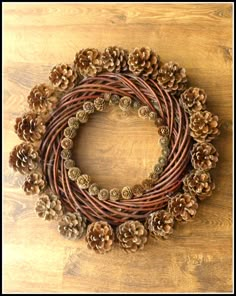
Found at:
[93, 189]
[114, 100]
[73, 122]
[66, 143]
[158, 168]
[204, 126]
[164, 141]
[115, 59]
[35, 183]
[29, 127]
[160, 224]
[137, 190]
[100, 237]
[193, 100]
[103, 194]
[163, 131]
[144, 62]
[132, 235]
[172, 78]
[88, 62]
[147, 183]
[99, 104]
[24, 158]
[63, 77]
[74, 173]
[88, 107]
[152, 116]
[70, 132]
[83, 181]
[143, 112]
[49, 207]
[198, 183]
[159, 122]
[126, 192]
[82, 116]
[66, 154]
[125, 103]
[72, 225]
[69, 163]
[115, 194]
[204, 156]
[183, 207]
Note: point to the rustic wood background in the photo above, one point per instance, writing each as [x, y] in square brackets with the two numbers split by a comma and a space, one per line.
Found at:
[198, 258]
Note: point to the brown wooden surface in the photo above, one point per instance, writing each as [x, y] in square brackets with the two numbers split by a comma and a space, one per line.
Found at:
[198, 258]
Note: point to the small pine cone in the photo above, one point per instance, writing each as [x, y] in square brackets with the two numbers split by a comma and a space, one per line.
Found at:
[30, 127]
[132, 235]
[183, 207]
[72, 225]
[66, 143]
[114, 100]
[82, 116]
[115, 194]
[152, 116]
[162, 161]
[62, 77]
[159, 122]
[147, 183]
[137, 190]
[93, 189]
[163, 131]
[204, 156]
[107, 96]
[143, 112]
[73, 122]
[204, 126]
[164, 141]
[126, 192]
[99, 104]
[88, 107]
[193, 99]
[66, 154]
[100, 237]
[49, 207]
[74, 173]
[41, 98]
[198, 183]
[165, 152]
[83, 181]
[88, 62]
[103, 194]
[136, 104]
[69, 163]
[172, 78]
[24, 158]
[115, 59]
[158, 168]
[70, 132]
[160, 224]
[125, 103]
[144, 62]
[35, 183]
[154, 176]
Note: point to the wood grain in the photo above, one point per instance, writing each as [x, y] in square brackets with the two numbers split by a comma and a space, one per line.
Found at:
[198, 258]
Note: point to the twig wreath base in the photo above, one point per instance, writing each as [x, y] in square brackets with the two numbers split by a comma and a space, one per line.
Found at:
[129, 215]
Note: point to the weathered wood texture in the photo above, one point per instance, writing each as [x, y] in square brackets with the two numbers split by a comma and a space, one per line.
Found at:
[198, 258]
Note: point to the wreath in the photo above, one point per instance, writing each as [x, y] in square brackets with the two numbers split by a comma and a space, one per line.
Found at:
[137, 81]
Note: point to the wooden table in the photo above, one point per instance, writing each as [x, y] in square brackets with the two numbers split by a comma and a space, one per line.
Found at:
[198, 257]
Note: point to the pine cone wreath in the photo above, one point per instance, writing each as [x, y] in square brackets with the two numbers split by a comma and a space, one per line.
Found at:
[63, 77]
[29, 127]
[72, 225]
[132, 235]
[115, 59]
[49, 207]
[144, 62]
[24, 158]
[100, 237]
[198, 183]
[193, 99]
[88, 62]
[204, 156]
[35, 183]
[160, 224]
[204, 126]
[183, 207]
[172, 78]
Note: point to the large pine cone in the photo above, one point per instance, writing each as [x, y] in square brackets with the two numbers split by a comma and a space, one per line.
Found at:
[49, 207]
[183, 207]
[204, 126]
[198, 183]
[88, 62]
[72, 225]
[132, 235]
[204, 156]
[63, 77]
[172, 78]
[160, 224]
[29, 127]
[193, 99]
[100, 237]
[35, 183]
[24, 158]
[144, 62]
[115, 59]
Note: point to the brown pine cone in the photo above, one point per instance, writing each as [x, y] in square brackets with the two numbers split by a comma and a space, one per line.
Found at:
[100, 237]
[93, 189]
[69, 163]
[147, 183]
[72, 225]
[193, 99]
[82, 116]
[35, 183]
[115, 59]
[99, 104]
[152, 116]
[114, 100]
[29, 127]
[88, 107]
[143, 112]
[73, 122]
[49, 207]
[88, 62]
[160, 224]
[125, 103]
[198, 183]
[70, 132]
[164, 141]
[24, 158]
[158, 168]
[137, 190]
[204, 126]
[144, 62]
[66, 143]
[63, 77]
[103, 194]
[66, 154]
[74, 173]
[172, 78]
[132, 235]
[183, 207]
[159, 122]
[204, 156]
[163, 131]
[83, 181]
[126, 192]
[115, 194]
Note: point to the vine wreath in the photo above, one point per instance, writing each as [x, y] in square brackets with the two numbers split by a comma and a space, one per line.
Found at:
[157, 91]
